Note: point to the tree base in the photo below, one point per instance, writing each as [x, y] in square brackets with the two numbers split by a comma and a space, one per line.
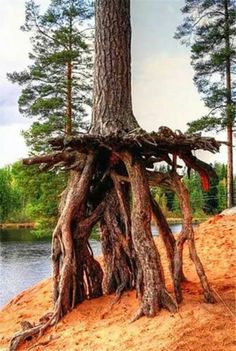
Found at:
[112, 189]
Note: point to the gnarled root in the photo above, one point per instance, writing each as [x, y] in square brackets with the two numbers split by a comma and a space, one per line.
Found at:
[153, 292]
[188, 234]
[119, 264]
[24, 335]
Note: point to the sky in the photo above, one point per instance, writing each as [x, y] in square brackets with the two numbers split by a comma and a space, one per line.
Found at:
[162, 78]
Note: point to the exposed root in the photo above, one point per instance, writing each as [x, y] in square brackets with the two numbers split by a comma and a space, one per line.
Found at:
[43, 343]
[232, 313]
[24, 335]
[168, 302]
[152, 288]
[113, 303]
[139, 314]
[188, 234]
[131, 258]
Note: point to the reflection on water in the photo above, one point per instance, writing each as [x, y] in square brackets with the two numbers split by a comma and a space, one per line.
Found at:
[25, 260]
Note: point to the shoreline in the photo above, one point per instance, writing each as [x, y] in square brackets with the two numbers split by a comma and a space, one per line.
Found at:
[17, 225]
[29, 225]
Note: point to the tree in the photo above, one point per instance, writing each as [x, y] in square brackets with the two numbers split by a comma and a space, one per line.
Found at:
[193, 184]
[209, 28]
[39, 195]
[57, 85]
[110, 183]
[8, 198]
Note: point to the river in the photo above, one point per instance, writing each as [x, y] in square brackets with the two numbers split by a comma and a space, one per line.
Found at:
[25, 260]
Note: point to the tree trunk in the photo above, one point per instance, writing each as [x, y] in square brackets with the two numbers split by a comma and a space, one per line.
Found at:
[112, 105]
[68, 129]
[69, 65]
[229, 110]
[112, 114]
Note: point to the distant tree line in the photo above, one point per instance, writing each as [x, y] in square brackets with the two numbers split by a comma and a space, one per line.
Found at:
[203, 203]
[30, 195]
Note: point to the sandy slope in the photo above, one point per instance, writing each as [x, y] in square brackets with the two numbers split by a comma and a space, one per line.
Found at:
[95, 325]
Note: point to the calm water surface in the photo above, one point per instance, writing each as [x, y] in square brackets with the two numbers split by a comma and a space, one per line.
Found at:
[25, 260]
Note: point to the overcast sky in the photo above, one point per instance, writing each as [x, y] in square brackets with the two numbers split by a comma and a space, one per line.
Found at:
[163, 90]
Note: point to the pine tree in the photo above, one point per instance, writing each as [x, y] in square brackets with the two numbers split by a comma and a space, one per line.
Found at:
[57, 84]
[209, 28]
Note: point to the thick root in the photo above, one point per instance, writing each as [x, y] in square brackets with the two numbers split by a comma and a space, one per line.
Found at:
[153, 295]
[188, 234]
[24, 335]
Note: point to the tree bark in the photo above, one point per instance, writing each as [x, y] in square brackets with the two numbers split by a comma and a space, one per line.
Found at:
[69, 66]
[70, 254]
[119, 258]
[153, 294]
[229, 107]
[165, 233]
[68, 128]
[112, 105]
[112, 114]
[187, 234]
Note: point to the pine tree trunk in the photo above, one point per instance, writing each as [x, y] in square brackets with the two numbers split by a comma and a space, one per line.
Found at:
[112, 105]
[112, 114]
[229, 113]
[69, 66]
[68, 129]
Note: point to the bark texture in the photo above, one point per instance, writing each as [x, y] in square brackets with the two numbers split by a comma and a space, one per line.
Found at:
[229, 110]
[112, 105]
[187, 234]
[152, 292]
[119, 258]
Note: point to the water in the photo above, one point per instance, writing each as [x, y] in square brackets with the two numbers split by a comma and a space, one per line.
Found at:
[25, 260]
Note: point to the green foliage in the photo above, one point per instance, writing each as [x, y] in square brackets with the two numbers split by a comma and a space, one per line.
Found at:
[27, 194]
[175, 206]
[202, 203]
[193, 185]
[221, 195]
[160, 197]
[9, 196]
[61, 40]
[209, 28]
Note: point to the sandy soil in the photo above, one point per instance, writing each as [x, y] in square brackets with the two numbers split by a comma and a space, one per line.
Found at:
[99, 326]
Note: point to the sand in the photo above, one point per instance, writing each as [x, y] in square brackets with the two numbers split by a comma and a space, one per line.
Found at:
[101, 326]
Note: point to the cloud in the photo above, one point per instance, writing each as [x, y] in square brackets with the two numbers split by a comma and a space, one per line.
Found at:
[15, 46]
[9, 113]
[163, 93]
[12, 144]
